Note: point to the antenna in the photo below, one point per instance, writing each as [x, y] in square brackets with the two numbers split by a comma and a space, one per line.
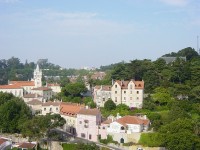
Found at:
[198, 50]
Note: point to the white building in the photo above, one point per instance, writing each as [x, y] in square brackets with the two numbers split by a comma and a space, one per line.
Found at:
[128, 92]
[50, 108]
[35, 106]
[101, 94]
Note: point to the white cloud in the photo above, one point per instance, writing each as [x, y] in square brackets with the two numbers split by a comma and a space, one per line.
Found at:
[176, 2]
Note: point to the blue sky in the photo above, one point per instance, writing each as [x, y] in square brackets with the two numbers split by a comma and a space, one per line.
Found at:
[77, 33]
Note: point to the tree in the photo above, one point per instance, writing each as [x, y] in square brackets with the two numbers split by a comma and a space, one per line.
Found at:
[109, 105]
[12, 114]
[176, 134]
[74, 89]
[161, 96]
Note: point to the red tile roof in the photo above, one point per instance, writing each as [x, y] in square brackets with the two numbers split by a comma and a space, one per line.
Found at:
[42, 89]
[22, 83]
[10, 87]
[132, 120]
[27, 145]
[124, 84]
[107, 121]
[2, 140]
[93, 112]
[70, 109]
[32, 95]
[104, 87]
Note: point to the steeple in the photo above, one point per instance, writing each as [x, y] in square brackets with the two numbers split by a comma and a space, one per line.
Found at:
[37, 76]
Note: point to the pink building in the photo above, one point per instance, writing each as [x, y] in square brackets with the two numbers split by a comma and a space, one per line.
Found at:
[88, 121]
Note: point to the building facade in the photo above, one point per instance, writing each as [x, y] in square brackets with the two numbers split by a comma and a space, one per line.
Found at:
[128, 92]
[88, 121]
[101, 94]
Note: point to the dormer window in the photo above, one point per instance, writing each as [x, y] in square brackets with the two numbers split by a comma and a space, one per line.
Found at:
[115, 86]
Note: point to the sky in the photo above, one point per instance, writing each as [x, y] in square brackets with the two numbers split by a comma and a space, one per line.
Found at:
[78, 33]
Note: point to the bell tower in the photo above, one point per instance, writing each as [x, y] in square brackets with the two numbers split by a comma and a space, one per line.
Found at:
[37, 76]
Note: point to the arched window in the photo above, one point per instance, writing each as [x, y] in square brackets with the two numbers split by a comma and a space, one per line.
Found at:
[122, 128]
[121, 140]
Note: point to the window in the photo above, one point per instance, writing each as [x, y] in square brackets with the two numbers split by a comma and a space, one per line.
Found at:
[80, 122]
[124, 98]
[124, 92]
[103, 99]
[131, 86]
[122, 128]
[130, 98]
[137, 97]
[103, 128]
[50, 109]
[115, 86]
[56, 108]
[131, 92]
[137, 92]
[83, 135]
[90, 136]
[44, 109]
[115, 92]
[115, 99]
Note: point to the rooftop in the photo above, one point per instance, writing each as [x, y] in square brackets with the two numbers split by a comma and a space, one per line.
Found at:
[34, 102]
[93, 112]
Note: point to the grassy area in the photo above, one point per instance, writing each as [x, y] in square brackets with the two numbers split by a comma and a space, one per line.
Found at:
[67, 146]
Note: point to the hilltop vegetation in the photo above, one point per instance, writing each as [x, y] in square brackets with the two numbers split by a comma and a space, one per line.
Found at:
[172, 94]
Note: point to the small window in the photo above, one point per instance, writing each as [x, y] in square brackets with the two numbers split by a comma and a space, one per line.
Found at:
[137, 97]
[124, 98]
[56, 108]
[80, 122]
[103, 99]
[131, 92]
[44, 109]
[124, 92]
[90, 136]
[83, 135]
[115, 92]
[130, 98]
[131, 86]
[50, 109]
[137, 92]
[115, 86]
[103, 128]
[115, 99]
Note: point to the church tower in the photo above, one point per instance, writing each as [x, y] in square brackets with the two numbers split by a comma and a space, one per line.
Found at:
[37, 76]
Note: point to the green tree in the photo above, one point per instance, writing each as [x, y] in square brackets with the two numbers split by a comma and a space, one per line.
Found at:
[109, 105]
[74, 89]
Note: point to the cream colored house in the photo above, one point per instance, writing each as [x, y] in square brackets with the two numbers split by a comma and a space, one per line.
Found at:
[45, 92]
[50, 107]
[30, 97]
[128, 92]
[55, 88]
[35, 106]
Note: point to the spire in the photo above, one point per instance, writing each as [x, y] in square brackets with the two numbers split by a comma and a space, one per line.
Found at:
[37, 67]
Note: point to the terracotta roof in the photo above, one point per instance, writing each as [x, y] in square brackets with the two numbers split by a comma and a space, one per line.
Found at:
[104, 87]
[10, 87]
[42, 89]
[93, 112]
[49, 103]
[132, 120]
[139, 84]
[22, 83]
[26, 145]
[32, 95]
[107, 121]
[70, 109]
[98, 75]
[124, 84]
[34, 102]
[2, 140]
